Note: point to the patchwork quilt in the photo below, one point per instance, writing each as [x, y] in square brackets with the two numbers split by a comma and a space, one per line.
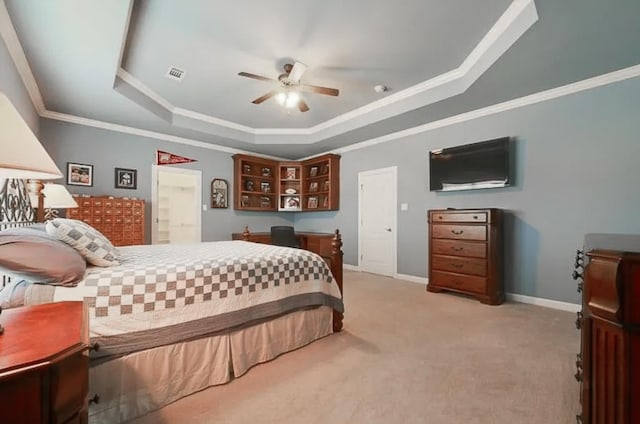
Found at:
[161, 294]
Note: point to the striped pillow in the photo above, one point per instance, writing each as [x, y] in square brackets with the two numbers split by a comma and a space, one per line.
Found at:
[91, 244]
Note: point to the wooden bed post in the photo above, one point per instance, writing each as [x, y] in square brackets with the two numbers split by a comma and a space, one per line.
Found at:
[336, 270]
[36, 187]
[245, 233]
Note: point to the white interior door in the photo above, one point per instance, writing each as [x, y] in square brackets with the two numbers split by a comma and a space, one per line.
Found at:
[176, 200]
[377, 202]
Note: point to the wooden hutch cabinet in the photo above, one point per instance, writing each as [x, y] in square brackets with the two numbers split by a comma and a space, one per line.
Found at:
[609, 363]
[121, 220]
[465, 253]
[321, 183]
[44, 364]
[262, 184]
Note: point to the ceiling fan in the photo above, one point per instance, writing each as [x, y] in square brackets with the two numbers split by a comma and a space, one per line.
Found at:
[288, 95]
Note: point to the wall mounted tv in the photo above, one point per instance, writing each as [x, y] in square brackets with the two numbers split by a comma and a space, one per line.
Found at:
[472, 166]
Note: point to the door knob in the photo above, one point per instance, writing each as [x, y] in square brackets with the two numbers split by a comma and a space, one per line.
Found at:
[388, 229]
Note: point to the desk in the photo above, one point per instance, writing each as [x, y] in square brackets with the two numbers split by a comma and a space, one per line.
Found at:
[327, 245]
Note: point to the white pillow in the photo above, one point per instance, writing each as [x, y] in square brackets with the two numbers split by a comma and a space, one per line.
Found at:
[91, 244]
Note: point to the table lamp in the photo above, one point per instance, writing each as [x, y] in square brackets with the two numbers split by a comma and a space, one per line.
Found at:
[56, 197]
[22, 156]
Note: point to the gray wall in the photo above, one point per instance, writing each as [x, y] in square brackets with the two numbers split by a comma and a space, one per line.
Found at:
[577, 173]
[106, 150]
[12, 86]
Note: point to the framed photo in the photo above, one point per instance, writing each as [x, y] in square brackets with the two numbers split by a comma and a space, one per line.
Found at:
[291, 202]
[265, 202]
[313, 171]
[291, 173]
[246, 168]
[126, 178]
[219, 193]
[326, 186]
[312, 203]
[244, 201]
[325, 202]
[266, 172]
[79, 174]
[248, 185]
[265, 187]
[313, 186]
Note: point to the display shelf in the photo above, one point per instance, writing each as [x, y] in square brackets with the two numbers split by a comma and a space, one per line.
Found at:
[262, 184]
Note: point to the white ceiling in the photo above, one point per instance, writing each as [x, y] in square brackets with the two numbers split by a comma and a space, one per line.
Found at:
[103, 63]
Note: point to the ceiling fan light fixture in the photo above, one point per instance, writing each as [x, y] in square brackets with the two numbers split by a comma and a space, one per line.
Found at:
[281, 98]
[292, 99]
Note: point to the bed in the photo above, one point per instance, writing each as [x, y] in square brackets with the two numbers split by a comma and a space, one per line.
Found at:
[170, 320]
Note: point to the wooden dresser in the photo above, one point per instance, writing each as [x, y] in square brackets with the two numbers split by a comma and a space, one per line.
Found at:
[120, 220]
[609, 363]
[44, 364]
[465, 253]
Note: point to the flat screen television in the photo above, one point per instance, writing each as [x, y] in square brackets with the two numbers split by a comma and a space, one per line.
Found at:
[472, 166]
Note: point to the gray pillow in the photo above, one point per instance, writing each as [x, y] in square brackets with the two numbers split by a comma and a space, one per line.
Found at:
[91, 244]
[39, 258]
[12, 295]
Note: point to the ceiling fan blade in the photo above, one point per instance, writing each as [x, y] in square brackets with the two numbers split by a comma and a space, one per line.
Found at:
[320, 90]
[254, 76]
[265, 97]
[302, 105]
[297, 71]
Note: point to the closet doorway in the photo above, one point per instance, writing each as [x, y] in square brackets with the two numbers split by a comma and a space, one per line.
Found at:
[176, 196]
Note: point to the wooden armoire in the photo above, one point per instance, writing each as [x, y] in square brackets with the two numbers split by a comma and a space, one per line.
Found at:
[609, 362]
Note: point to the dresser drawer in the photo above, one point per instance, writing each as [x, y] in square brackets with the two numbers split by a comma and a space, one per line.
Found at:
[460, 282]
[459, 248]
[460, 265]
[460, 232]
[459, 217]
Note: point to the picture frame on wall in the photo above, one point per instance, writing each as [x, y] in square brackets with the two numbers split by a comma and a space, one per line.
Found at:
[126, 178]
[219, 193]
[79, 174]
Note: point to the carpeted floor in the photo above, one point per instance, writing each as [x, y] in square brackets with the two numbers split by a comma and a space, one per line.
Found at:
[408, 356]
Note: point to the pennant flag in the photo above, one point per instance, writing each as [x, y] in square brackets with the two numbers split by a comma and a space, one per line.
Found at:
[166, 158]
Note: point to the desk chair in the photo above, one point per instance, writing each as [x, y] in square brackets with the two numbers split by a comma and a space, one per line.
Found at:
[284, 235]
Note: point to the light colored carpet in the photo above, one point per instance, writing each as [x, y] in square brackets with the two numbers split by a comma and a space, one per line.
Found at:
[408, 356]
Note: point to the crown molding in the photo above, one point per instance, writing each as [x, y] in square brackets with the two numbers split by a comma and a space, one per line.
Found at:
[145, 133]
[542, 96]
[515, 21]
[584, 85]
[10, 37]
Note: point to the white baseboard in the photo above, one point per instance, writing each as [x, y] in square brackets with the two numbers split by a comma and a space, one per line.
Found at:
[513, 297]
[547, 303]
[413, 278]
[351, 267]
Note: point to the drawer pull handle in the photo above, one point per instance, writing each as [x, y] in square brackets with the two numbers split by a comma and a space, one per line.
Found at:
[457, 232]
[95, 346]
[457, 249]
[95, 399]
[475, 216]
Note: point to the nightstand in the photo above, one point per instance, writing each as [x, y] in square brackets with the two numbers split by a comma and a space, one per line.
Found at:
[44, 364]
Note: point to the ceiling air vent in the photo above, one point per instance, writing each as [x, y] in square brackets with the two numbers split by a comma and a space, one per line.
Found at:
[175, 73]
